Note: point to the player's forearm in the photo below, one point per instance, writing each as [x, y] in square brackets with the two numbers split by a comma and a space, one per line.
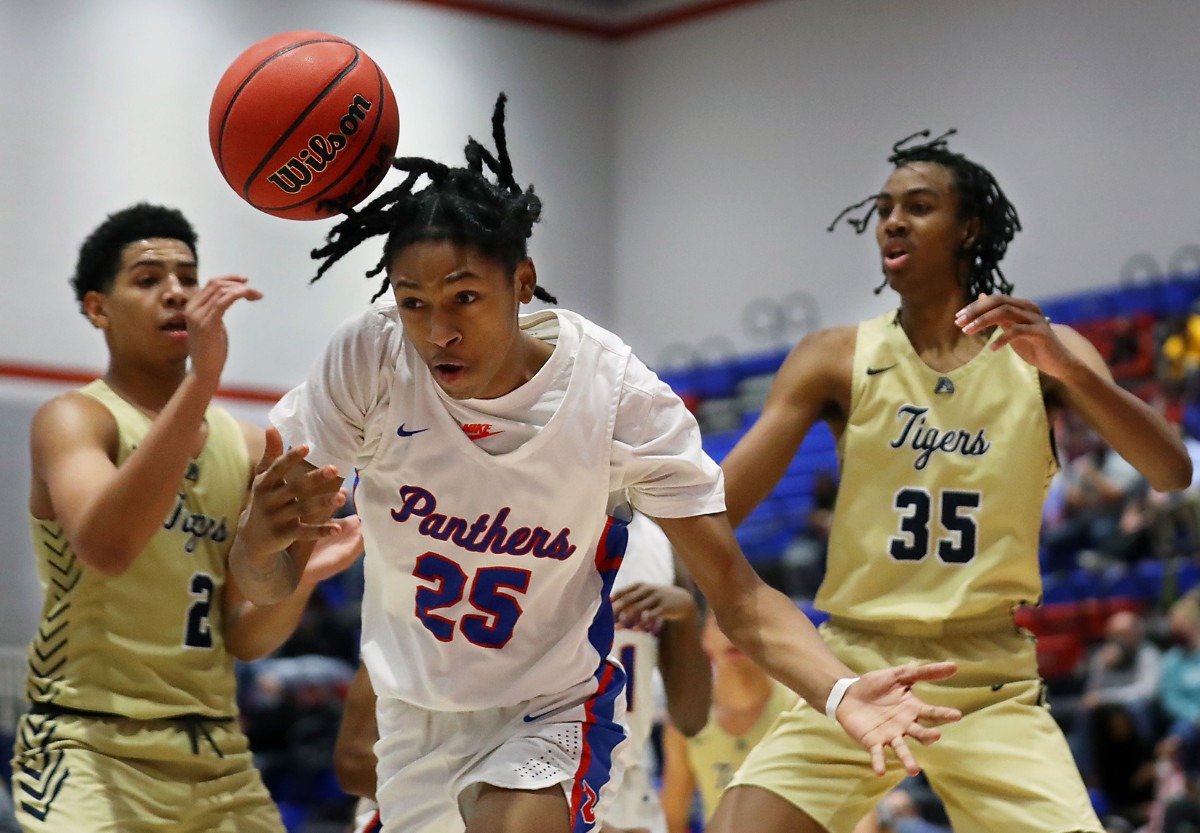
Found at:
[769, 628]
[687, 675]
[135, 503]
[254, 631]
[267, 577]
[1135, 430]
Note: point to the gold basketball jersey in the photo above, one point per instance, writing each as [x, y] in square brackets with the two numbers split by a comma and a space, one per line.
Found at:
[146, 644]
[715, 754]
[943, 476]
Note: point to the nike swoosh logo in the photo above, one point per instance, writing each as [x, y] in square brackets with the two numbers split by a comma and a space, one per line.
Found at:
[871, 371]
[401, 432]
[530, 718]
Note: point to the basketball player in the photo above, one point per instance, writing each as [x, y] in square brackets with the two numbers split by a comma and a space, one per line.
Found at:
[943, 411]
[138, 480]
[745, 703]
[496, 455]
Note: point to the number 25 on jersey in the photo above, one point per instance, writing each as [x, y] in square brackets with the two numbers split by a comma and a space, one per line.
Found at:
[498, 611]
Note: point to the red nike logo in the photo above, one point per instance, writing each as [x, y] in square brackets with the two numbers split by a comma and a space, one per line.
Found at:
[479, 430]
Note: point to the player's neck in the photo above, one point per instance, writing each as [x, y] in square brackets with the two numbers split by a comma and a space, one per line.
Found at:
[929, 325]
[145, 389]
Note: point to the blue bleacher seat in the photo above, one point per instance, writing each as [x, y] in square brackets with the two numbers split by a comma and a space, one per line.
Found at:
[1058, 588]
[756, 364]
[1151, 575]
[1187, 577]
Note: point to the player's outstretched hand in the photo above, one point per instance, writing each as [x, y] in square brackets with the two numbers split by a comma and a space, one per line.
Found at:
[208, 343]
[289, 500]
[1023, 326]
[333, 554]
[880, 711]
[645, 607]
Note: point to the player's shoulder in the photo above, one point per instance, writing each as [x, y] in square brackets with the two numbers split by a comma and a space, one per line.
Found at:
[70, 422]
[591, 331]
[829, 350]
[75, 413]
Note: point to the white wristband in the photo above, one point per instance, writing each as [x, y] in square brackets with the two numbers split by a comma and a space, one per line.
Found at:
[836, 694]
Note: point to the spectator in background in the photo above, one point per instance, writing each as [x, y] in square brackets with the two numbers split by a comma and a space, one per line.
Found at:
[1175, 516]
[1179, 688]
[1124, 670]
[804, 558]
[1097, 486]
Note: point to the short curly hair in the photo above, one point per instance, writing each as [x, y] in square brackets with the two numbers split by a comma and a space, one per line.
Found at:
[100, 255]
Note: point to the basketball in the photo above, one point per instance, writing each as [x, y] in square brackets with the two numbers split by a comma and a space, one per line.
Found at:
[303, 125]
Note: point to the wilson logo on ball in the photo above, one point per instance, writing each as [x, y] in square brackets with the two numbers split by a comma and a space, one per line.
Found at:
[298, 171]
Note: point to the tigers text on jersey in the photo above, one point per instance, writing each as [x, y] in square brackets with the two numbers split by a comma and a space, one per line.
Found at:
[148, 643]
[942, 481]
[487, 574]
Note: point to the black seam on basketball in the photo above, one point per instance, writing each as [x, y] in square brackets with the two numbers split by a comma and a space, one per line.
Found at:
[361, 151]
[295, 124]
[261, 66]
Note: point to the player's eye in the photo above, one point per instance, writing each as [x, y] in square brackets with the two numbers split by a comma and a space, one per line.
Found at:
[410, 303]
[189, 280]
[467, 297]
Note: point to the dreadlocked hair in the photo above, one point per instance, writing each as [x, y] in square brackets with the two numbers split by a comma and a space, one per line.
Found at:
[979, 197]
[459, 205]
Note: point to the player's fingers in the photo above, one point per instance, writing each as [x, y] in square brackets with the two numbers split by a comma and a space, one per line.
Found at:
[909, 674]
[315, 532]
[315, 483]
[877, 762]
[1015, 332]
[626, 592]
[275, 475]
[939, 714]
[321, 506]
[905, 755]
[923, 735]
[271, 449]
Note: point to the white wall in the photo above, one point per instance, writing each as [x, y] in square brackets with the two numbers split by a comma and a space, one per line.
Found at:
[741, 136]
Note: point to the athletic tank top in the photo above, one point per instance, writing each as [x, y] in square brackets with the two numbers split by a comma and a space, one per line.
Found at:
[943, 476]
[148, 643]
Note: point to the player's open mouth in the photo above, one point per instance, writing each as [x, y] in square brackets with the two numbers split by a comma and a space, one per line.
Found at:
[448, 371]
[177, 327]
[895, 254]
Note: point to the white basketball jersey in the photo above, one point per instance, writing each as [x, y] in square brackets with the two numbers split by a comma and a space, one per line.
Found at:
[488, 570]
[648, 560]
[484, 582]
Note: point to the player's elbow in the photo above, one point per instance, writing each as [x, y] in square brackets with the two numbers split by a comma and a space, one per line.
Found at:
[1176, 477]
[689, 722]
[355, 772]
[107, 560]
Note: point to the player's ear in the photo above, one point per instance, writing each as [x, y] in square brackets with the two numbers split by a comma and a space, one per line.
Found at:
[94, 308]
[525, 278]
[970, 232]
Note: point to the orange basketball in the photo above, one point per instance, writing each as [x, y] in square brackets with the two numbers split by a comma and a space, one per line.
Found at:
[303, 125]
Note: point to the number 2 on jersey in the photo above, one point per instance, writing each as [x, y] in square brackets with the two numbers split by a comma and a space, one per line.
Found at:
[493, 626]
[916, 506]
